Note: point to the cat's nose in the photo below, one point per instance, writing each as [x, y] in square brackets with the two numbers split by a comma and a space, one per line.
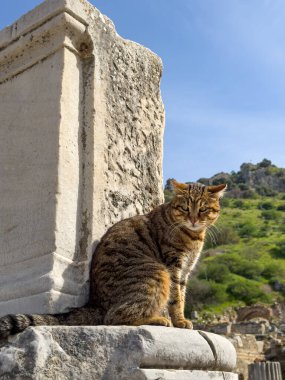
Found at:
[193, 220]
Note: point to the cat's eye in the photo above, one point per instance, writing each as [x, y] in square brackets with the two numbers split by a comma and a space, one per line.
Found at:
[204, 209]
[185, 209]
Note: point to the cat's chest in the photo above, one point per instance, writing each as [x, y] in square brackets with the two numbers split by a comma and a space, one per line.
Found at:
[190, 259]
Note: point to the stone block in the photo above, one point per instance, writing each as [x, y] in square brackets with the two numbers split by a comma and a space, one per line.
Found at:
[116, 352]
[250, 327]
[80, 148]
[222, 328]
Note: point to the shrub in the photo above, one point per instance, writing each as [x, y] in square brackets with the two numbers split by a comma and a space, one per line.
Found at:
[243, 186]
[204, 181]
[281, 207]
[249, 194]
[199, 293]
[266, 191]
[270, 215]
[214, 271]
[247, 291]
[168, 185]
[262, 232]
[264, 163]
[247, 229]
[281, 226]
[266, 205]
[226, 235]
[168, 195]
[221, 235]
[279, 250]
[248, 267]
[221, 180]
[243, 205]
[219, 293]
[225, 202]
[280, 172]
[238, 203]
[202, 292]
[273, 272]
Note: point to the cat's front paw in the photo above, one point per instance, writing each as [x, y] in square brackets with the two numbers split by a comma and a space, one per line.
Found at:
[160, 321]
[183, 324]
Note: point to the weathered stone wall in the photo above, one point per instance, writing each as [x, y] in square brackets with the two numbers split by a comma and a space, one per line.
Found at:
[80, 148]
[248, 351]
[228, 328]
[250, 328]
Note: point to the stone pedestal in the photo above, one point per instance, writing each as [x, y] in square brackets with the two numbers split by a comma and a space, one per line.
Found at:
[117, 353]
[265, 371]
[80, 148]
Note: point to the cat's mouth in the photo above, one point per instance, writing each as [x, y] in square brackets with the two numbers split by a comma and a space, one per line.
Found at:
[196, 227]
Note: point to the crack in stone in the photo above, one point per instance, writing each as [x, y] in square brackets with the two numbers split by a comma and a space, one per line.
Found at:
[211, 344]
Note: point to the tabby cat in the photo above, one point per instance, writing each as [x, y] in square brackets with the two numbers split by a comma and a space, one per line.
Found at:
[141, 265]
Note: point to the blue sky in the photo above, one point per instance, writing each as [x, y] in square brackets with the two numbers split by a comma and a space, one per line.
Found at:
[223, 84]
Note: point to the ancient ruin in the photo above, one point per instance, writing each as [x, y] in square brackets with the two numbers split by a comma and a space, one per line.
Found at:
[81, 148]
[257, 334]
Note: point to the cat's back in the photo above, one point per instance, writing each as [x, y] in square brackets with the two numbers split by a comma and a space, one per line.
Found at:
[123, 233]
[127, 247]
[129, 238]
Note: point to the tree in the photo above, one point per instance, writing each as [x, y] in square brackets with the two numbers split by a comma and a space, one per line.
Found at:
[168, 185]
[264, 163]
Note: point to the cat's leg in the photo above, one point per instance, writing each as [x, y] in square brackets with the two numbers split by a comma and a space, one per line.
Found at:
[177, 301]
[142, 301]
[133, 314]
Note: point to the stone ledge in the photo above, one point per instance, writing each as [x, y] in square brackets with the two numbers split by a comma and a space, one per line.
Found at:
[44, 12]
[116, 352]
[61, 31]
[168, 374]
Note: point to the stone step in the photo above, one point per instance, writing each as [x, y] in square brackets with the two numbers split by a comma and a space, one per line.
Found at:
[116, 352]
[166, 374]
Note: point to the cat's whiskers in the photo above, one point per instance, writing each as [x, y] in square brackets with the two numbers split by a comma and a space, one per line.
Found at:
[176, 226]
[213, 233]
[215, 230]
[214, 226]
[212, 237]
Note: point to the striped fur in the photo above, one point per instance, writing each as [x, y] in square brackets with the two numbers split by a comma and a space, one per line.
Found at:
[141, 265]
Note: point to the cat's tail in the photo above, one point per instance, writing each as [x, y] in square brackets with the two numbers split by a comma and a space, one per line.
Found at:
[15, 323]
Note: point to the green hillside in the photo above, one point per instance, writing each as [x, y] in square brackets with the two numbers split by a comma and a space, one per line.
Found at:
[243, 261]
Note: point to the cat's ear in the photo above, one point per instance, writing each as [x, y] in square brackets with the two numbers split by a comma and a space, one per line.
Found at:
[177, 187]
[218, 190]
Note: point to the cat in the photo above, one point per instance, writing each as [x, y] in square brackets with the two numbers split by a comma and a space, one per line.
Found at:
[141, 265]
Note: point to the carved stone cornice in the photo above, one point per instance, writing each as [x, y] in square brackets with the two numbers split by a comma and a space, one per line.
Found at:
[38, 43]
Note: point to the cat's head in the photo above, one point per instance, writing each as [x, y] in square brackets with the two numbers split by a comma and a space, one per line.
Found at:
[196, 206]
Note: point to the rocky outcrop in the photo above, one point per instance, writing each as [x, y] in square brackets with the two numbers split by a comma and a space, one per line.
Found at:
[263, 178]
